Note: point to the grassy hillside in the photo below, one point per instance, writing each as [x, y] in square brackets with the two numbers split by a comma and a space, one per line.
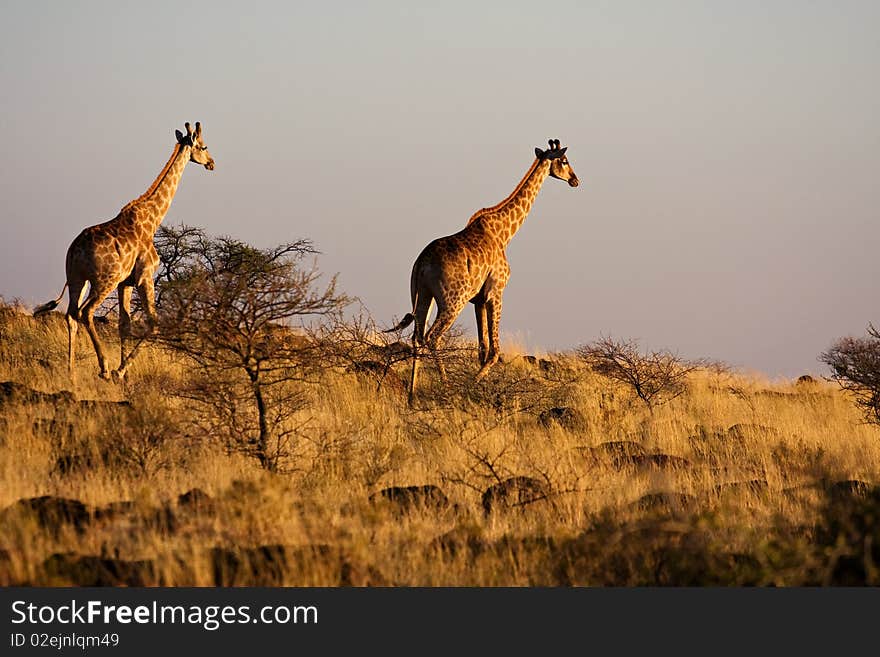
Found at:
[738, 481]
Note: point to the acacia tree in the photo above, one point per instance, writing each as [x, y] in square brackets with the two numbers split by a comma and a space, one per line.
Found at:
[855, 365]
[228, 307]
[656, 377]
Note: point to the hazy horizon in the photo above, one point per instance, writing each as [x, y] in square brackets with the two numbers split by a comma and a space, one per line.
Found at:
[729, 153]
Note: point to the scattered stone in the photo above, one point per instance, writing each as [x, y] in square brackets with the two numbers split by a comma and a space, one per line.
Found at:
[514, 492]
[843, 491]
[665, 501]
[12, 392]
[616, 453]
[196, 500]
[563, 416]
[53, 513]
[546, 365]
[162, 519]
[410, 498]
[275, 565]
[99, 571]
[114, 511]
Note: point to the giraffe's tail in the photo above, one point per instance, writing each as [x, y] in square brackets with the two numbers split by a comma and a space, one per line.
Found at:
[408, 319]
[49, 306]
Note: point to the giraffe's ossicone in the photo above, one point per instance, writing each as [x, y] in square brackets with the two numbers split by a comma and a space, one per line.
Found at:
[471, 266]
[120, 254]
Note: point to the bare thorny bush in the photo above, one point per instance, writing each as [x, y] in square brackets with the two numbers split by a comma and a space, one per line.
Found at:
[229, 308]
[655, 376]
[855, 366]
[358, 346]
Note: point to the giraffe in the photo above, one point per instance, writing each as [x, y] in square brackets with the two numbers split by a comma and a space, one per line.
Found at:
[120, 254]
[471, 266]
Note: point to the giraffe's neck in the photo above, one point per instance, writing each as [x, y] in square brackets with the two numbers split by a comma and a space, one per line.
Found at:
[504, 219]
[157, 199]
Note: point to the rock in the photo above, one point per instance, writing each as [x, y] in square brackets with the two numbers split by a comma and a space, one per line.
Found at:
[53, 513]
[563, 416]
[843, 491]
[12, 392]
[114, 511]
[616, 453]
[410, 498]
[514, 492]
[665, 501]
[196, 500]
[99, 571]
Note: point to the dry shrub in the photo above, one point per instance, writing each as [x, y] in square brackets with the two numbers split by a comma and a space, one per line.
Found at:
[655, 376]
[855, 366]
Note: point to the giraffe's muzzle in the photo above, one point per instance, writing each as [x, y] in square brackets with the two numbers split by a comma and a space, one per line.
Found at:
[209, 165]
[573, 181]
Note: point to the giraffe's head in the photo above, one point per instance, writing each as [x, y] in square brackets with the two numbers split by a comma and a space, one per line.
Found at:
[199, 153]
[560, 167]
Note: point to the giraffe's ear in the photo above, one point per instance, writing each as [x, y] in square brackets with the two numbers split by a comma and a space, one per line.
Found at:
[179, 136]
[539, 153]
[562, 152]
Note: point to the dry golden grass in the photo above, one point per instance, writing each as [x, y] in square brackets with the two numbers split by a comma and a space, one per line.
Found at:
[745, 503]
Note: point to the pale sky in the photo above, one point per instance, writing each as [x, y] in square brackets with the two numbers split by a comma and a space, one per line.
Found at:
[728, 152]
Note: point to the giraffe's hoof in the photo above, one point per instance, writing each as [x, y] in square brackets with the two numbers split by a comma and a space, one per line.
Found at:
[484, 370]
[118, 376]
[105, 375]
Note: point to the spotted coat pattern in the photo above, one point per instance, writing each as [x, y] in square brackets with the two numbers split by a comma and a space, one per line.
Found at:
[120, 254]
[471, 265]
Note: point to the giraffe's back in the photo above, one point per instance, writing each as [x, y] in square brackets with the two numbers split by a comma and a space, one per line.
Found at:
[101, 253]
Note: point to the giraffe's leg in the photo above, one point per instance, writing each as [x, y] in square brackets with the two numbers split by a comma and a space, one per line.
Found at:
[414, 373]
[72, 325]
[446, 316]
[493, 308]
[124, 293]
[146, 294]
[97, 294]
[75, 290]
[480, 311]
[421, 312]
